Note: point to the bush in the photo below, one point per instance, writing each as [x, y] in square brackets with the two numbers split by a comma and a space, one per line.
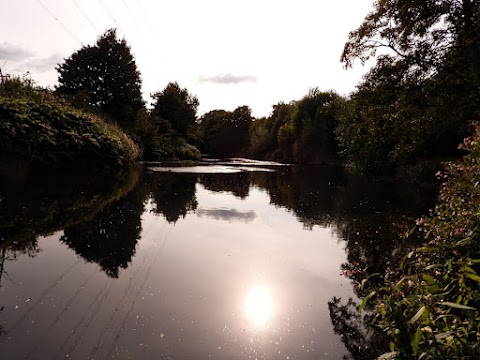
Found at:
[430, 304]
[43, 132]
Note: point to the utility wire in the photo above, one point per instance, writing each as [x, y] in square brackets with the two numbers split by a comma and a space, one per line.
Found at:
[130, 14]
[109, 13]
[59, 21]
[86, 16]
[147, 26]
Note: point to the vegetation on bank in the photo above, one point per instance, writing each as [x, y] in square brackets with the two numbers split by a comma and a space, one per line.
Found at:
[36, 128]
[429, 306]
[408, 114]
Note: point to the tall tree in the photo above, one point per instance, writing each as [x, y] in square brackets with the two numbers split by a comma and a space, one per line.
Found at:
[418, 100]
[423, 33]
[104, 76]
[177, 106]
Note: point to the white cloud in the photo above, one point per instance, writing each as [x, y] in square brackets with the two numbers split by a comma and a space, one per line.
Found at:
[11, 52]
[44, 64]
[226, 79]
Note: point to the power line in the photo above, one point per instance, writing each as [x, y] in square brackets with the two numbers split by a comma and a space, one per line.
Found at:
[130, 14]
[86, 16]
[59, 21]
[109, 13]
[147, 24]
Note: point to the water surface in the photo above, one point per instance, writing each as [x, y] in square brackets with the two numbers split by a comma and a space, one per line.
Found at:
[220, 261]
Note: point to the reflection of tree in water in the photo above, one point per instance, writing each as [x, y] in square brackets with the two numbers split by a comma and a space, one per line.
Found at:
[173, 194]
[368, 216]
[236, 183]
[10, 252]
[308, 191]
[371, 216]
[352, 327]
[42, 205]
[110, 237]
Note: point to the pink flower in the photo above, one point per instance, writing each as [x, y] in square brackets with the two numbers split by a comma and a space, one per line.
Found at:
[420, 222]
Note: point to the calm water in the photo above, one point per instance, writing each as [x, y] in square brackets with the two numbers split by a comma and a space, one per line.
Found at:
[210, 262]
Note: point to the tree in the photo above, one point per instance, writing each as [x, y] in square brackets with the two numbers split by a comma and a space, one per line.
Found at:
[227, 133]
[177, 106]
[423, 33]
[104, 76]
[314, 125]
[419, 99]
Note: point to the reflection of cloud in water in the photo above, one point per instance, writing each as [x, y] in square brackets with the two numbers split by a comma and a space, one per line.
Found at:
[228, 214]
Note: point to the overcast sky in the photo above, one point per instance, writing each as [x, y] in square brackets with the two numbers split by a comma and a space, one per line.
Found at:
[227, 53]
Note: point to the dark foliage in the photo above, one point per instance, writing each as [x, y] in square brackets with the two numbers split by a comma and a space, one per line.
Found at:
[226, 133]
[105, 77]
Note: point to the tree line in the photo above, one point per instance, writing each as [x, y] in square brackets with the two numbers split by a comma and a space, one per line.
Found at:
[412, 108]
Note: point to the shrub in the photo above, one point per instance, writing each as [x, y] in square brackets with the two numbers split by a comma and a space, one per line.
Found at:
[430, 304]
[45, 132]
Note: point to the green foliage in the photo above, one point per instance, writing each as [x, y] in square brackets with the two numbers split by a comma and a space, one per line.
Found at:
[417, 102]
[430, 305]
[226, 133]
[395, 119]
[176, 106]
[105, 77]
[49, 133]
[301, 132]
[422, 33]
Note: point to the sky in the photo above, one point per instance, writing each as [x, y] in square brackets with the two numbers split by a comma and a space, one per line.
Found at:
[227, 53]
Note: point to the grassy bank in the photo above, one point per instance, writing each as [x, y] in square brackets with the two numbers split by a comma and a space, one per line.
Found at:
[36, 128]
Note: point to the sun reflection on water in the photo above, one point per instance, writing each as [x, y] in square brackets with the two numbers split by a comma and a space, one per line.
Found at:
[259, 307]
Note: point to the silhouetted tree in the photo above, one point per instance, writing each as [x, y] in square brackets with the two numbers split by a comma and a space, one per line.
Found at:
[104, 76]
[236, 183]
[302, 131]
[227, 133]
[110, 237]
[176, 106]
[173, 194]
[417, 102]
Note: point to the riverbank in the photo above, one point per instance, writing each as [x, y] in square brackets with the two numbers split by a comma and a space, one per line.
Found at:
[47, 133]
[429, 303]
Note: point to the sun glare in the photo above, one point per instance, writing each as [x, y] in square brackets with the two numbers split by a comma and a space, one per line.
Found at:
[259, 307]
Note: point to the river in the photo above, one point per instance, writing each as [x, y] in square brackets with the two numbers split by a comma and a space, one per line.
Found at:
[227, 260]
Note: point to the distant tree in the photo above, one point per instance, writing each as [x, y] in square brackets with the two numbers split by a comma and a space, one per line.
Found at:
[314, 125]
[280, 134]
[302, 131]
[226, 133]
[104, 76]
[176, 106]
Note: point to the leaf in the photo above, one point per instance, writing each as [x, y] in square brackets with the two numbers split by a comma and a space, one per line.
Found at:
[473, 277]
[388, 356]
[417, 315]
[444, 335]
[458, 306]
[399, 284]
[364, 302]
[362, 283]
[428, 279]
[416, 341]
